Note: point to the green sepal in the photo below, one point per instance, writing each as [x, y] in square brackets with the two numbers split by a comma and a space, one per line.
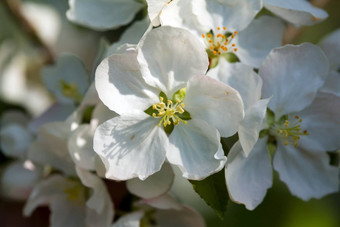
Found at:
[87, 115]
[214, 192]
[270, 117]
[169, 128]
[271, 147]
[150, 110]
[263, 133]
[231, 57]
[184, 116]
[179, 95]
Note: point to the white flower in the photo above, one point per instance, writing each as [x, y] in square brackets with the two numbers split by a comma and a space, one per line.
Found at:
[67, 79]
[161, 212]
[298, 12]
[331, 46]
[18, 179]
[57, 155]
[249, 85]
[251, 42]
[73, 202]
[103, 14]
[154, 186]
[135, 144]
[303, 129]
[15, 135]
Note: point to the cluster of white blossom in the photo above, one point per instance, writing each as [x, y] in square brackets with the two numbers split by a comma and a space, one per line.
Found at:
[184, 76]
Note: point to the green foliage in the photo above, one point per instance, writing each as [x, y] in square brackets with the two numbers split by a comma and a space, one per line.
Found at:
[213, 191]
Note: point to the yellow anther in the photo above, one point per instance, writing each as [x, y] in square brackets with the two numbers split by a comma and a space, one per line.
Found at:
[233, 44]
[235, 49]
[224, 28]
[169, 101]
[180, 110]
[161, 99]
[235, 32]
[218, 28]
[182, 105]
[286, 123]
[154, 106]
[215, 52]
[209, 35]
[203, 36]
[210, 41]
[211, 48]
[153, 114]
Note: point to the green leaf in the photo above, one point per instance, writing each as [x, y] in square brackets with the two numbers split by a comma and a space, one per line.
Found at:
[214, 192]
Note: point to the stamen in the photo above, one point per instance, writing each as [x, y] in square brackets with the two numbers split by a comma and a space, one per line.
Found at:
[219, 44]
[289, 131]
[168, 112]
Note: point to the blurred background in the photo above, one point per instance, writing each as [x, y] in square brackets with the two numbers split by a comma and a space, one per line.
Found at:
[33, 37]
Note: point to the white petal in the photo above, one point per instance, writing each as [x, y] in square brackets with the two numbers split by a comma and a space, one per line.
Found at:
[80, 146]
[165, 201]
[186, 217]
[101, 114]
[131, 35]
[155, 185]
[64, 213]
[69, 69]
[130, 220]
[240, 77]
[331, 45]
[18, 179]
[332, 84]
[179, 13]
[102, 14]
[322, 121]
[249, 178]
[50, 148]
[251, 125]
[154, 9]
[131, 146]
[214, 102]
[100, 209]
[15, 140]
[56, 112]
[233, 14]
[196, 150]
[298, 12]
[300, 65]
[306, 171]
[169, 57]
[258, 39]
[120, 85]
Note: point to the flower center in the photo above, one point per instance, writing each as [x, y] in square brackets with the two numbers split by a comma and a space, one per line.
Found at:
[70, 90]
[168, 112]
[221, 42]
[289, 131]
